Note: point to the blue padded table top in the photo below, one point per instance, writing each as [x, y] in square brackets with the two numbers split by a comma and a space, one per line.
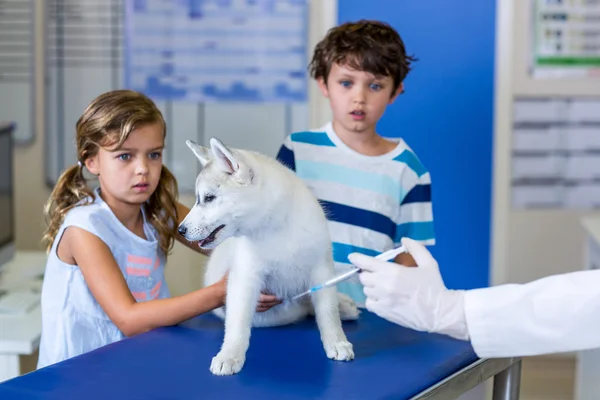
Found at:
[285, 362]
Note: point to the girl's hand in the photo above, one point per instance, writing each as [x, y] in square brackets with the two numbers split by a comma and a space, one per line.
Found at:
[266, 301]
[222, 289]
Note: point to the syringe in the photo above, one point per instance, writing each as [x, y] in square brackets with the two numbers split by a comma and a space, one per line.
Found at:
[385, 256]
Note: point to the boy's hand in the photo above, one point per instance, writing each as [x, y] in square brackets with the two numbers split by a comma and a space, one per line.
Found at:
[266, 301]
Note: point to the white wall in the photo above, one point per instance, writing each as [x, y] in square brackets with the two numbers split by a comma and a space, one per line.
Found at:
[527, 244]
[185, 268]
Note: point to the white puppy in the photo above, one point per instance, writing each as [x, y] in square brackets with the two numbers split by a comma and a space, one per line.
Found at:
[269, 231]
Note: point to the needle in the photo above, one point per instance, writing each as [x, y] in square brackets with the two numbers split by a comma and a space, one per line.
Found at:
[385, 256]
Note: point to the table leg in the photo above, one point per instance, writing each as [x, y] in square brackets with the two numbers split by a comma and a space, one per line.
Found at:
[9, 366]
[507, 384]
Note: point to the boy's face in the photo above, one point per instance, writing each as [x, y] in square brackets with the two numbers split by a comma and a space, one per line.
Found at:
[130, 174]
[358, 99]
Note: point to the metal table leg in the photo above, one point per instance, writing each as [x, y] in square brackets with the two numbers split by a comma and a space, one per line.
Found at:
[507, 384]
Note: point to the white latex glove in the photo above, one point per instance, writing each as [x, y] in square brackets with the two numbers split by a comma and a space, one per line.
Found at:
[414, 297]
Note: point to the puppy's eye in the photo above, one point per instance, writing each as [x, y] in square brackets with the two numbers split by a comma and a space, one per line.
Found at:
[209, 197]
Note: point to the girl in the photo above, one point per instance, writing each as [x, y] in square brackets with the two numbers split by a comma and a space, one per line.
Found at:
[107, 247]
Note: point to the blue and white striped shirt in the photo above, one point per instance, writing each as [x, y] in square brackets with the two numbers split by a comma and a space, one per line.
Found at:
[371, 202]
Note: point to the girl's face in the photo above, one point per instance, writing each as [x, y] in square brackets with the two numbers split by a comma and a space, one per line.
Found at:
[130, 174]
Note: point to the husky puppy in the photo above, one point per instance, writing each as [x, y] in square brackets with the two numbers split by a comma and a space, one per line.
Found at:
[270, 233]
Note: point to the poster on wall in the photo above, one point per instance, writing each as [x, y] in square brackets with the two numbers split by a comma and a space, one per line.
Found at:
[566, 39]
[217, 50]
[556, 153]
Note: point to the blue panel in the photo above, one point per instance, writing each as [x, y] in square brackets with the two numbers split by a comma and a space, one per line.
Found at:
[446, 116]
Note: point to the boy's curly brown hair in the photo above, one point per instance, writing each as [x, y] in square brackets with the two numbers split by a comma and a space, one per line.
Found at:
[371, 46]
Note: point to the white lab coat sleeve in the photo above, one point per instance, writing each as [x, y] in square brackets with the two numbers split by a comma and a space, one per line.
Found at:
[555, 314]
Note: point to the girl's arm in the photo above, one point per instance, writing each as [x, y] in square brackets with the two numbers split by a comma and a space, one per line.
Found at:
[107, 284]
[182, 211]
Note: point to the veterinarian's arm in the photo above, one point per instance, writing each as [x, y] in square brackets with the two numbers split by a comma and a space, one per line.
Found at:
[107, 284]
[182, 211]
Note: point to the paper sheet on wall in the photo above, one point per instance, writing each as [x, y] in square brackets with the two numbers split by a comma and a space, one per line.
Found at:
[556, 153]
[566, 38]
[217, 50]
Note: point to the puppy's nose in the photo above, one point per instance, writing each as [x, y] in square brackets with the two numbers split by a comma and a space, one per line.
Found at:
[182, 230]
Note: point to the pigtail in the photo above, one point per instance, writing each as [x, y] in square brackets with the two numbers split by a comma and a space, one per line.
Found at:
[69, 190]
[162, 210]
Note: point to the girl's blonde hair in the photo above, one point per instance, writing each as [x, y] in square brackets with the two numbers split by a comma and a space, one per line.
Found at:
[107, 122]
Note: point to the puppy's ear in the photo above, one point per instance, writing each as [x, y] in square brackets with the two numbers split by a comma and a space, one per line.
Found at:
[230, 163]
[225, 159]
[200, 152]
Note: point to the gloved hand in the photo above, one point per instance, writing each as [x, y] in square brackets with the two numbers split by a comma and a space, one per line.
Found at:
[414, 297]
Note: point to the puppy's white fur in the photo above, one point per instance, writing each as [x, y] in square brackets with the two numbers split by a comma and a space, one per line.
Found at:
[273, 238]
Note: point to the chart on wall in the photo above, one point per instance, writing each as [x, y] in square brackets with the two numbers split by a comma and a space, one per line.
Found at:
[219, 50]
[17, 80]
[566, 38]
[94, 46]
[556, 153]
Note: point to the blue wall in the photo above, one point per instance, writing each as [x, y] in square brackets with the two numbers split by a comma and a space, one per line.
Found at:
[446, 116]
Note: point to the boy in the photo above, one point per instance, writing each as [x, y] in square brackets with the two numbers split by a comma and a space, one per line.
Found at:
[374, 191]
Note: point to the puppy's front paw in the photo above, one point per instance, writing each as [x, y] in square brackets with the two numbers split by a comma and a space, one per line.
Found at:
[227, 363]
[340, 350]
